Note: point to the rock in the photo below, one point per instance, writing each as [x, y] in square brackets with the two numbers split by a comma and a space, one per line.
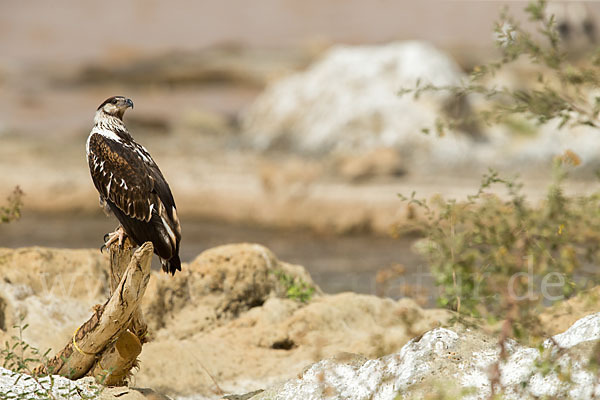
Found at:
[226, 320]
[217, 65]
[275, 341]
[53, 290]
[217, 286]
[205, 122]
[290, 178]
[383, 162]
[132, 393]
[224, 324]
[241, 396]
[454, 360]
[349, 102]
[562, 315]
[14, 385]
[576, 25]
[345, 322]
[552, 141]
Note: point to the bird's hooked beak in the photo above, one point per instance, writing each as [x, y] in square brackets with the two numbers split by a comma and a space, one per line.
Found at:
[125, 104]
[121, 105]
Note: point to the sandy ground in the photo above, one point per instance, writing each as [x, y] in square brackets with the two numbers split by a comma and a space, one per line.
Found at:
[222, 325]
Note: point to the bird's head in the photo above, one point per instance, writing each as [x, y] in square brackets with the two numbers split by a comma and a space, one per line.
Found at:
[116, 106]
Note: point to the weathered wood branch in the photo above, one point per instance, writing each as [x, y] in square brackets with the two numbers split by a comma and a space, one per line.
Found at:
[121, 356]
[101, 332]
[119, 259]
[115, 363]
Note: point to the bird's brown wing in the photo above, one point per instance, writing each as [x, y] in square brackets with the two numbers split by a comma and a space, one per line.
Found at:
[120, 175]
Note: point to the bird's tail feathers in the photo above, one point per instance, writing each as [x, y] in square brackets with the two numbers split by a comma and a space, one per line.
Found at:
[172, 265]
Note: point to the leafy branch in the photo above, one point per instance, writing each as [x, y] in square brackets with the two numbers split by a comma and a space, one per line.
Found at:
[560, 91]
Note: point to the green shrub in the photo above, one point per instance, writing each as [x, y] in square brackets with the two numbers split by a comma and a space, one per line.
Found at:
[502, 257]
[493, 253]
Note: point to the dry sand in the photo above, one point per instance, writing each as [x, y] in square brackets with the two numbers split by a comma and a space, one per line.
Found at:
[223, 322]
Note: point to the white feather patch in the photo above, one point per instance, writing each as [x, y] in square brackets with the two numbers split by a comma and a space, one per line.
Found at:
[176, 220]
[107, 133]
[169, 231]
[150, 213]
[143, 153]
[87, 145]
[106, 126]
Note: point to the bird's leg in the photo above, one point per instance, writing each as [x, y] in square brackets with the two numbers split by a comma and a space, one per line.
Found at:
[116, 236]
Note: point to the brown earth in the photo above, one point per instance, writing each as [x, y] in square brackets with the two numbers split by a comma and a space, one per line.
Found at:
[562, 315]
[230, 322]
[226, 323]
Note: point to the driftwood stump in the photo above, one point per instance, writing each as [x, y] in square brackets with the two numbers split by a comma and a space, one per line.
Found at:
[107, 345]
[119, 260]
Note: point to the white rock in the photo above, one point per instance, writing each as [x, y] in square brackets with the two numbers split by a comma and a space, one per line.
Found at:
[585, 329]
[349, 100]
[13, 384]
[442, 355]
[348, 103]
[552, 141]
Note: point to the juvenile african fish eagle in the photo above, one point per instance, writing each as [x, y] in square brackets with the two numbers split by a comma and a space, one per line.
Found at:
[131, 185]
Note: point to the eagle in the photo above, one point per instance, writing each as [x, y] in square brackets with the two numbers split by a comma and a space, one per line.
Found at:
[131, 186]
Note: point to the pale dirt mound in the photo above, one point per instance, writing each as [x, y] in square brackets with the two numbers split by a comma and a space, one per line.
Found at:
[560, 316]
[216, 287]
[226, 314]
[277, 340]
[53, 290]
[225, 324]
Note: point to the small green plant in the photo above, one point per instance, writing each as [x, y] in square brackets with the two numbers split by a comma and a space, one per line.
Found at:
[295, 288]
[12, 211]
[21, 359]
